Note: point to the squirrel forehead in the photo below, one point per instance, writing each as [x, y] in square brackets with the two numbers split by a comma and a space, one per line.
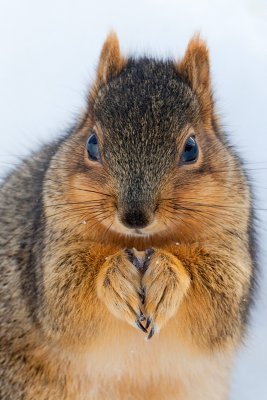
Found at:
[147, 97]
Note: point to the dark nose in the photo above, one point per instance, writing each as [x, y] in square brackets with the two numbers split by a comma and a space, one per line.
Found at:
[135, 219]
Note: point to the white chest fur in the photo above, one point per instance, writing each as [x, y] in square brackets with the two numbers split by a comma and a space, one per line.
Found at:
[128, 367]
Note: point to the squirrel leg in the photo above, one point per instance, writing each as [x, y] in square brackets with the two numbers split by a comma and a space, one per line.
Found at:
[119, 287]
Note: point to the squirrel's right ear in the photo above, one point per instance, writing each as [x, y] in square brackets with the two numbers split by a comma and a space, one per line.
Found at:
[111, 61]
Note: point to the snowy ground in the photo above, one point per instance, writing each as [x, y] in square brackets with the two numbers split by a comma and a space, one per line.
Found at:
[48, 52]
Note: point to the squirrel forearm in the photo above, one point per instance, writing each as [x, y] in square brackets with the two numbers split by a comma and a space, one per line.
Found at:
[67, 310]
[215, 305]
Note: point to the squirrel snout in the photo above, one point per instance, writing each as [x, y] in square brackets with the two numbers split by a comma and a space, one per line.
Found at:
[135, 218]
[135, 205]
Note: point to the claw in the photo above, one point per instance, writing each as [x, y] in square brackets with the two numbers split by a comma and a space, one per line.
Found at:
[148, 322]
[141, 316]
[149, 253]
[142, 295]
[151, 333]
[133, 259]
[140, 326]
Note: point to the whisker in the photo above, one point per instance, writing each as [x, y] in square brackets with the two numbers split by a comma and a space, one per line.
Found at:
[195, 210]
[95, 203]
[217, 206]
[107, 230]
[91, 191]
[93, 211]
[198, 217]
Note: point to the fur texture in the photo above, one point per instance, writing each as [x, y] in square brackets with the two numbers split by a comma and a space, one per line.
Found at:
[76, 296]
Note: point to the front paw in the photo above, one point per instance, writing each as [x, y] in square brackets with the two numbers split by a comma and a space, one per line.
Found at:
[119, 287]
[165, 282]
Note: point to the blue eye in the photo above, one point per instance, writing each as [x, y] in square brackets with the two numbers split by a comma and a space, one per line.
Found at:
[190, 153]
[92, 148]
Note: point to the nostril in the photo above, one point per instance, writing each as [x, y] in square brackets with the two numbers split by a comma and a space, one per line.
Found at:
[135, 219]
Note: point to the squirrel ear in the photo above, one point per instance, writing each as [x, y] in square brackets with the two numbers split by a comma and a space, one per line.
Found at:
[195, 68]
[110, 62]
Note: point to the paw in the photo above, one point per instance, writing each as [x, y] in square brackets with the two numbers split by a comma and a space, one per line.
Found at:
[119, 287]
[165, 282]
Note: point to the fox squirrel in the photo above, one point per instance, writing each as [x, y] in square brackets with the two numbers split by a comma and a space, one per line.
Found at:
[137, 224]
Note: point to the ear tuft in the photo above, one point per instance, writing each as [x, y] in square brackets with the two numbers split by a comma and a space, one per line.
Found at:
[110, 62]
[195, 68]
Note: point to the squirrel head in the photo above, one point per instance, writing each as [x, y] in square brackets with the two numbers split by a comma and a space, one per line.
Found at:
[148, 163]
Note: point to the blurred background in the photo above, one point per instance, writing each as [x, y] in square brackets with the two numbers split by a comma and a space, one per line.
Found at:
[48, 56]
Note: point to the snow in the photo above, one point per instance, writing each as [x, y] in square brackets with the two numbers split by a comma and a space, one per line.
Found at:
[48, 57]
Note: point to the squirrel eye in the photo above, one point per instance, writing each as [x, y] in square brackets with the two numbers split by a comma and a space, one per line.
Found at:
[190, 153]
[92, 148]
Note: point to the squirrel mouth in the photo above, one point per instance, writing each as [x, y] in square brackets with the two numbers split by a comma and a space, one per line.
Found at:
[139, 232]
[148, 231]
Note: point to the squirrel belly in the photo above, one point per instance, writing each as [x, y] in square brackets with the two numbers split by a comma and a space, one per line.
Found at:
[127, 365]
[126, 247]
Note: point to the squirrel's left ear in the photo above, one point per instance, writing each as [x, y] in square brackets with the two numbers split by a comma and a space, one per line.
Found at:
[111, 61]
[195, 68]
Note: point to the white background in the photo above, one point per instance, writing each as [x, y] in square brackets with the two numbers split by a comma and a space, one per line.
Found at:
[48, 55]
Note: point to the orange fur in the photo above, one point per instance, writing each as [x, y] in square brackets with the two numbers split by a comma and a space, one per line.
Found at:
[111, 61]
[195, 67]
[192, 289]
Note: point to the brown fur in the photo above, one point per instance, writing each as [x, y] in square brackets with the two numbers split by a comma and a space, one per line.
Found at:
[73, 296]
[111, 62]
[195, 67]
